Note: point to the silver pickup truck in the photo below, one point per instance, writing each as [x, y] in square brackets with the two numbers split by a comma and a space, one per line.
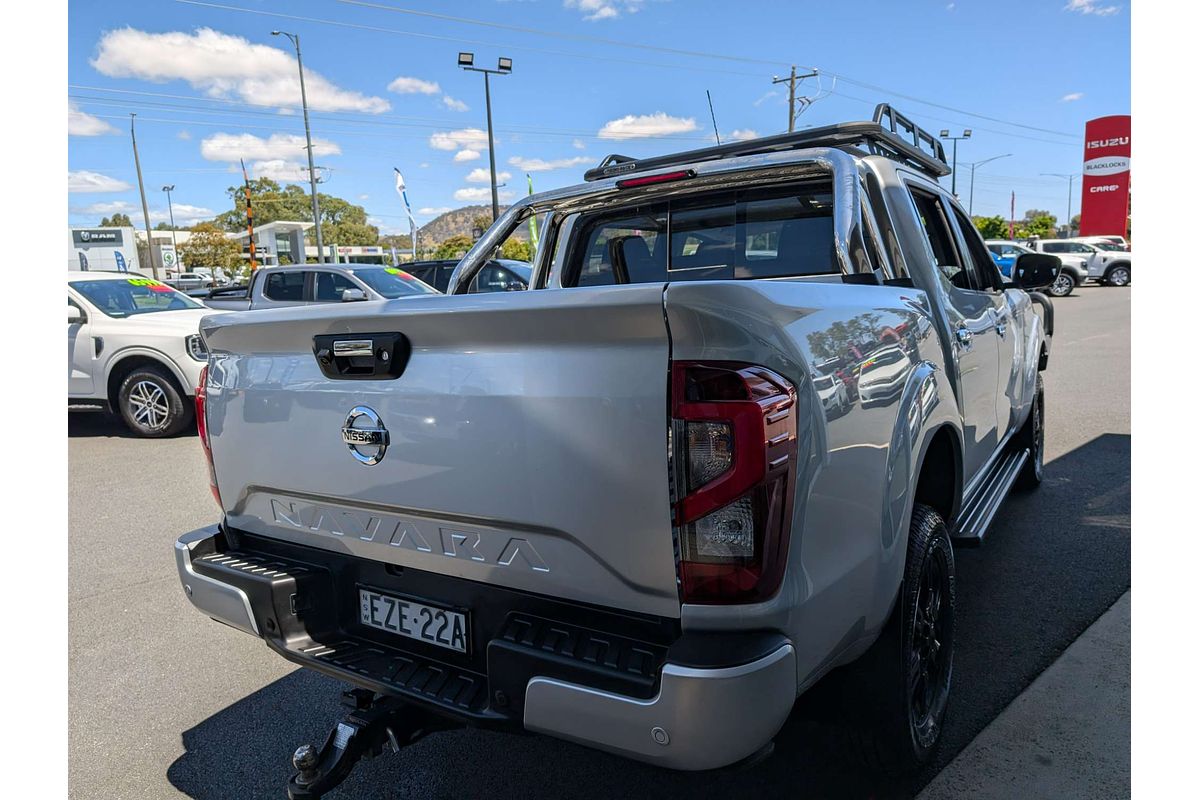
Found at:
[301, 285]
[628, 507]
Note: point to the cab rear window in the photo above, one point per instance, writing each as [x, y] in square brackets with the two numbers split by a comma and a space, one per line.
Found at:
[757, 233]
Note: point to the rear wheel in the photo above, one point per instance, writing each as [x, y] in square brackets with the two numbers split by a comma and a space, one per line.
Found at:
[899, 690]
[1033, 438]
[1117, 276]
[1063, 285]
[150, 403]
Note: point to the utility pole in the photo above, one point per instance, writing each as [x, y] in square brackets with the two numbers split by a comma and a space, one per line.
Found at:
[142, 190]
[791, 82]
[503, 67]
[171, 211]
[312, 171]
[1070, 180]
[971, 202]
[966, 134]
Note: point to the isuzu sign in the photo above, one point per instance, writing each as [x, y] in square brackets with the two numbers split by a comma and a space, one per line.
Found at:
[1106, 155]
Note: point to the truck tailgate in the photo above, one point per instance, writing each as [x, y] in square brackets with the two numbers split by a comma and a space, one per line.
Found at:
[527, 440]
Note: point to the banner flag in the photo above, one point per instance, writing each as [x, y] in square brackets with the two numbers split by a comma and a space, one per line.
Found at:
[412, 223]
[533, 233]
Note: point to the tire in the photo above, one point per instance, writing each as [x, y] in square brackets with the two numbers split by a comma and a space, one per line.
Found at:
[897, 693]
[1063, 285]
[1118, 275]
[1033, 437]
[151, 404]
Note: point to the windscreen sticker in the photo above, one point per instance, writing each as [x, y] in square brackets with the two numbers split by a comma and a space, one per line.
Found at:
[399, 272]
[149, 283]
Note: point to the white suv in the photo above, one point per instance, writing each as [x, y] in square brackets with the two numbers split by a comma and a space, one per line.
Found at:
[133, 347]
[1107, 266]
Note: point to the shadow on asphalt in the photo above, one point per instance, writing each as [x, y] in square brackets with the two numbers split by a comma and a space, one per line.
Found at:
[84, 424]
[1053, 561]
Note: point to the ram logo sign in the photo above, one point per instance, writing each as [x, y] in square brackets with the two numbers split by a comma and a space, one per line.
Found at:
[1106, 157]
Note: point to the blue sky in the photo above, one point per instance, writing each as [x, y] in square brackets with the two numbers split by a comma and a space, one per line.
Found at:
[210, 84]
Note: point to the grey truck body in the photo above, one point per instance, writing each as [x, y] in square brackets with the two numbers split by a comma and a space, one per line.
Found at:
[529, 438]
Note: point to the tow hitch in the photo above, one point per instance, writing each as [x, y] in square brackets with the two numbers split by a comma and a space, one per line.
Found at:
[377, 722]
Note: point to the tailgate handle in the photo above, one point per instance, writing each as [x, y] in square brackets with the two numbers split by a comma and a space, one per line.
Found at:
[367, 356]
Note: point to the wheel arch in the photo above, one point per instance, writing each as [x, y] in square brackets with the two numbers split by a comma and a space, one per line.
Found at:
[130, 359]
[1108, 270]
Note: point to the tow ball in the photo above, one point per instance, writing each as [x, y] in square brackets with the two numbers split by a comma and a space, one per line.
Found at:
[376, 723]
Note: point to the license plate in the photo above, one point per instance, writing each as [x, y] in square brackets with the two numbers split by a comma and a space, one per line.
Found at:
[436, 626]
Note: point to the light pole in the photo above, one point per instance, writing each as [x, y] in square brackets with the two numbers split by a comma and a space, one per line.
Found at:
[312, 172]
[966, 134]
[971, 201]
[503, 67]
[171, 211]
[1070, 180]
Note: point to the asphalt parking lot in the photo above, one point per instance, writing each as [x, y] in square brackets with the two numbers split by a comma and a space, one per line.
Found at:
[164, 702]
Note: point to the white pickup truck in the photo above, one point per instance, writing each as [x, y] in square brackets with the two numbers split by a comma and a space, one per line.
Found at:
[624, 507]
[300, 285]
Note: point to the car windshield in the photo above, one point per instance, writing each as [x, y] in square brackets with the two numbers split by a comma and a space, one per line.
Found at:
[125, 298]
[522, 269]
[392, 283]
[1112, 248]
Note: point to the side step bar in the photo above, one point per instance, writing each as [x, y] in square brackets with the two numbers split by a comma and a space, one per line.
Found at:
[977, 514]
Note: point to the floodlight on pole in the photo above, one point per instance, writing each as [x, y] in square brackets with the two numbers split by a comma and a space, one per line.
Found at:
[171, 211]
[503, 67]
[945, 134]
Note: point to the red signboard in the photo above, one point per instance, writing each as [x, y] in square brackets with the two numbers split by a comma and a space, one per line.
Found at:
[1106, 154]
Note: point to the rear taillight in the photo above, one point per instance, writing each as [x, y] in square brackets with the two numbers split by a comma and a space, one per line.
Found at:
[202, 429]
[734, 454]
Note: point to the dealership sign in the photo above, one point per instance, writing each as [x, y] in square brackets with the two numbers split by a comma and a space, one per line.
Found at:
[97, 236]
[1106, 155]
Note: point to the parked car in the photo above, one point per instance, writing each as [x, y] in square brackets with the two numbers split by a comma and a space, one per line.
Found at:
[279, 287]
[1110, 268]
[1073, 265]
[1005, 254]
[133, 348]
[616, 509]
[1110, 263]
[1112, 243]
[185, 281]
[500, 275]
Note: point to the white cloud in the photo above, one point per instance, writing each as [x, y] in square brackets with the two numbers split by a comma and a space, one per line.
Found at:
[645, 125]
[433, 212]
[464, 138]
[1071, 98]
[107, 209]
[424, 165]
[185, 214]
[541, 165]
[481, 175]
[221, 65]
[80, 123]
[185, 135]
[1090, 7]
[278, 146]
[84, 182]
[742, 134]
[278, 169]
[578, 144]
[454, 105]
[361, 197]
[403, 85]
[465, 155]
[594, 10]
[767, 96]
[479, 194]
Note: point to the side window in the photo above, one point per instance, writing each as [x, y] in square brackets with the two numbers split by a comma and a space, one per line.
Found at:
[422, 274]
[626, 246]
[997, 249]
[876, 258]
[287, 286]
[443, 276]
[495, 279]
[941, 241]
[330, 286]
[987, 277]
[1054, 247]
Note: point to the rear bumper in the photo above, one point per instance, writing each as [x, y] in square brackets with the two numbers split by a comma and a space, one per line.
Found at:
[626, 684]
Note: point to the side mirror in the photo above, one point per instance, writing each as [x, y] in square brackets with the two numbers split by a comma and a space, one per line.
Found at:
[353, 295]
[1035, 270]
[74, 315]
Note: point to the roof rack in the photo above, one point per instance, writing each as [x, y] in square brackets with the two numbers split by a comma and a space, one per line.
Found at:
[891, 134]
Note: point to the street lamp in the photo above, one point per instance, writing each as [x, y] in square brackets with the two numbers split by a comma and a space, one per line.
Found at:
[171, 211]
[312, 172]
[1070, 180]
[503, 67]
[971, 201]
[966, 134]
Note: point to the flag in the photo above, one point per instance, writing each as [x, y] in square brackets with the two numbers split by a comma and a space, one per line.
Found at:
[83, 265]
[533, 234]
[412, 223]
[120, 259]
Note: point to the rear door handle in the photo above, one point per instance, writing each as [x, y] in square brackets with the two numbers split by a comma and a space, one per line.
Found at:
[964, 337]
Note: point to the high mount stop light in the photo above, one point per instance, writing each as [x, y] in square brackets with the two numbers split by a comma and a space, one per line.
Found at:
[734, 458]
[466, 59]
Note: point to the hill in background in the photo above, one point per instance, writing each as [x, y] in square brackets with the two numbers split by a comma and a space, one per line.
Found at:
[460, 222]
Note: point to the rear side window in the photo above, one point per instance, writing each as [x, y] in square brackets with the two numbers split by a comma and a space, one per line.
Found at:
[285, 286]
[330, 286]
[748, 234]
[941, 241]
[986, 274]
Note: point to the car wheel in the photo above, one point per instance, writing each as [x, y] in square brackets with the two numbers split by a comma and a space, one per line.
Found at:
[1063, 285]
[150, 403]
[1118, 276]
[894, 698]
[1033, 438]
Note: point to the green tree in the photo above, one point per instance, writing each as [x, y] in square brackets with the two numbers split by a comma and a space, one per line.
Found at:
[1039, 223]
[516, 249]
[342, 222]
[991, 227]
[454, 247]
[208, 246]
[117, 220]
